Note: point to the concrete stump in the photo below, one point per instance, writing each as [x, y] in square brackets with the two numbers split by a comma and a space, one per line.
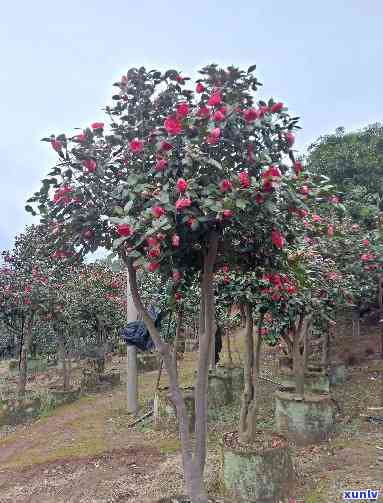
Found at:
[337, 373]
[304, 421]
[259, 476]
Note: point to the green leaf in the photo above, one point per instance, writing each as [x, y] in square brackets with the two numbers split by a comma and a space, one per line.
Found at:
[241, 204]
[251, 68]
[118, 242]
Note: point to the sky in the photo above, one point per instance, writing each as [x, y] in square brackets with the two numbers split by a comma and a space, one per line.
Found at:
[59, 61]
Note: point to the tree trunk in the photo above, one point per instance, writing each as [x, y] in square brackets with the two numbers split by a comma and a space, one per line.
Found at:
[24, 357]
[166, 354]
[177, 338]
[229, 355]
[249, 409]
[242, 312]
[299, 358]
[63, 357]
[248, 375]
[326, 347]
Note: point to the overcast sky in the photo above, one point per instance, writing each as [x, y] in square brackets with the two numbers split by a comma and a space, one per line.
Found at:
[59, 60]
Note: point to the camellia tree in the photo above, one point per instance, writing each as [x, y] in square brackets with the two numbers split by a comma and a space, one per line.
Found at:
[28, 290]
[177, 174]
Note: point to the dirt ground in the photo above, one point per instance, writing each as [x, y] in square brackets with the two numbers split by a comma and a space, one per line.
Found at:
[86, 453]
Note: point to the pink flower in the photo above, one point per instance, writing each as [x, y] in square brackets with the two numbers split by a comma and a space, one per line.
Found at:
[225, 268]
[244, 179]
[152, 241]
[153, 266]
[158, 211]
[90, 165]
[225, 185]
[88, 234]
[165, 146]
[304, 190]
[200, 88]
[172, 125]
[316, 218]
[220, 115]
[290, 137]
[178, 296]
[263, 110]
[175, 240]
[277, 107]
[366, 242]
[330, 230]
[334, 199]
[203, 112]
[125, 230]
[136, 145]
[182, 110]
[160, 165]
[298, 167]
[215, 98]
[97, 125]
[56, 145]
[214, 135]
[277, 239]
[228, 213]
[191, 222]
[250, 114]
[182, 203]
[182, 185]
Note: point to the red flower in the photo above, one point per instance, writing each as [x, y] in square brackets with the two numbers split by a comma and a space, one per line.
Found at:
[298, 167]
[160, 165]
[154, 252]
[175, 240]
[80, 137]
[180, 79]
[200, 88]
[182, 185]
[225, 185]
[263, 110]
[330, 230]
[304, 190]
[316, 218]
[334, 199]
[182, 203]
[172, 125]
[165, 146]
[244, 179]
[290, 137]
[182, 110]
[178, 296]
[277, 107]
[214, 135]
[277, 239]
[161, 236]
[259, 198]
[226, 280]
[203, 112]
[215, 98]
[366, 242]
[250, 114]
[276, 297]
[125, 230]
[153, 266]
[158, 211]
[191, 222]
[225, 268]
[228, 213]
[56, 145]
[90, 165]
[220, 115]
[271, 177]
[136, 145]
[97, 125]
[176, 276]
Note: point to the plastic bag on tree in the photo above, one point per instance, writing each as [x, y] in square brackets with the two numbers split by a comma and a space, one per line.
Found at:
[137, 334]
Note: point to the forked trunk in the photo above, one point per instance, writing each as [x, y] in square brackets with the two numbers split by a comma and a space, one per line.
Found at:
[23, 371]
[193, 462]
[300, 352]
[249, 408]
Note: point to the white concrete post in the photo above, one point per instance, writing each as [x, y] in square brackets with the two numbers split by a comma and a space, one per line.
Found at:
[131, 357]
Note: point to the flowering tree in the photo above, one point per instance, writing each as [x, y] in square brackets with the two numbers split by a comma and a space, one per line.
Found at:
[170, 185]
[28, 281]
